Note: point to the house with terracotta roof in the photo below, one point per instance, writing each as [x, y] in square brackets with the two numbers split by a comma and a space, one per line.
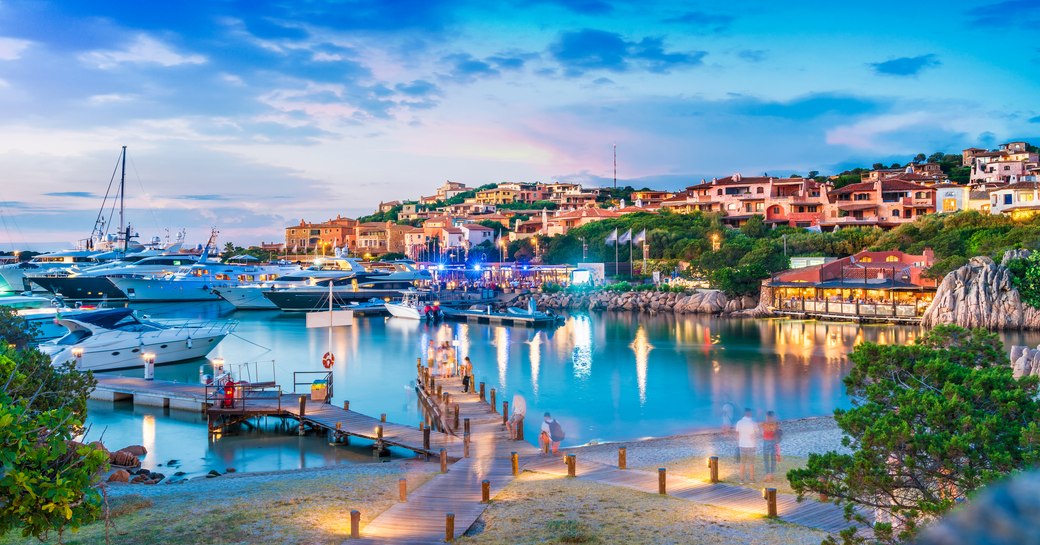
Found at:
[867, 286]
[475, 234]
[416, 242]
[1009, 164]
[884, 203]
[333, 233]
[797, 202]
[565, 221]
[650, 198]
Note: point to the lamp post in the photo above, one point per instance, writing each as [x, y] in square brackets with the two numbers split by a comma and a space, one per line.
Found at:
[502, 242]
[78, 354]
[715, 242]
[534, 242]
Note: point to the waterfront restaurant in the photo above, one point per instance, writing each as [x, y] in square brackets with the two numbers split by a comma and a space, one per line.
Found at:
[868, 286]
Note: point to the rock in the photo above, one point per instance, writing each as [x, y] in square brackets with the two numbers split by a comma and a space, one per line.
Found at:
[179, 474]
[230, 470]
[213, 473]
[119, 476]
[123, 458]
[172, 463]
[136, 450]
[157, 477]
[150, 481]
[139, 479]
[981, 294]
[144, 472]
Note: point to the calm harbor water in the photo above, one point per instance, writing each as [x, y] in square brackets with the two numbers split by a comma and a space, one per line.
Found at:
[604, 376]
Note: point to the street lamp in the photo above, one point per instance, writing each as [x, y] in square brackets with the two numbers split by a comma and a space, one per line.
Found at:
[503, 244]
[78, 354]
[149, 365]
[715, 242]
[534, 241]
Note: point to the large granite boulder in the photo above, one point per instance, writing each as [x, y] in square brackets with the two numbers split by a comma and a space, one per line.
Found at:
[981, 294]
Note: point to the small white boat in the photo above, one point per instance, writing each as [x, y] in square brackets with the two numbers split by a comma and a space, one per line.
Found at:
[415, 305]
[44, 313]
[118, 339]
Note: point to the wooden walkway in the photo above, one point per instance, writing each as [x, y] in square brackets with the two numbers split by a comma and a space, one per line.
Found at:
[421, 519]
[810, 513]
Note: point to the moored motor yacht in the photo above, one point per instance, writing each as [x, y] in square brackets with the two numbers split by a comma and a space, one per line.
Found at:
[92, 284]
[118, 339]
[415, 305]
[251, 296]
[44, 313]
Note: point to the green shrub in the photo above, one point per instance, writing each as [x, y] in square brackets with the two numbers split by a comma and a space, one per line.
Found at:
[1025, 276]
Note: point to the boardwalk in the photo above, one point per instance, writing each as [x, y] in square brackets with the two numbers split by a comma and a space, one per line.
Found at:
[809, 513]
[422, 518]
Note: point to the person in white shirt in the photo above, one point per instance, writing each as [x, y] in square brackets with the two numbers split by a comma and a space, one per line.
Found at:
[747, 440]
[519, 407]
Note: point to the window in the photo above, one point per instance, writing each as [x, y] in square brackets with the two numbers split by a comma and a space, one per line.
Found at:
[891, 259]
[760, 206]
[862, 197]
[1006, 167]
[1007, 199]
[801, 209]
[759, 190]
[1025, 197]
[719, 192]
[866, 260]
[921, 195]
[895, 213]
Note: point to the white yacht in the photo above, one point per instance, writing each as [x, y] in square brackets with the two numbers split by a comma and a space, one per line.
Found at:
[251, 296]
[382, 281]
[92, 284]
[197, 282]
[13, 275]
[118, 339]
[415, 305]
[44, 313]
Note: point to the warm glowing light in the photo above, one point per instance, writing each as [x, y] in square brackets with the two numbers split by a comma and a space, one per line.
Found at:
[581, 355]
[148, 357]
[642, 347]
[536, 360]
[502, 353]
[148, 432]
[77, 352]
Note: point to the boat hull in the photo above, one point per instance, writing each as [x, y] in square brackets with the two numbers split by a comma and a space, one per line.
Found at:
[160, 290]
[80, 288]
[106, 356]
[246, 298]
[292, 300]
[403, 311]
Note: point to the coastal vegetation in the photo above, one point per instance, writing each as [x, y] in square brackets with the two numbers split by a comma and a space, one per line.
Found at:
[47, 480]
[930, 424]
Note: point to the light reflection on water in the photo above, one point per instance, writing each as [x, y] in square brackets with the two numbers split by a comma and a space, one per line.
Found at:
[604, 376]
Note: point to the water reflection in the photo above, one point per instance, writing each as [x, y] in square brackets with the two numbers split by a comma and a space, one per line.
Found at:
[653, 375]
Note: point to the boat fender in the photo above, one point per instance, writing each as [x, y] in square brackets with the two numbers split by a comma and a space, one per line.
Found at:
[188, 342]
[328, 360]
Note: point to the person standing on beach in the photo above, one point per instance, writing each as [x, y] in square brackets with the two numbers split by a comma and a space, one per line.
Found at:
[519, 411]
[747, 440]
[727, 417]
[770, 444]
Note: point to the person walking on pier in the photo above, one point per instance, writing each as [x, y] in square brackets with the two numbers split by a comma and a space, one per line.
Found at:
[467, 370]
[747, 441]
[771, 434]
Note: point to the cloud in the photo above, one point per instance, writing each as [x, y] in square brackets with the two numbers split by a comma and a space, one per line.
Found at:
[76, 194]
[810, 106]
[109, 98]
[207, 197]
[712, 22]
[465, 68]
[752, 55]
[1034, 119]
[1021, 13]
[11, 48]
[589, 49]
[142, 50]
[505, 61]
[905, 66]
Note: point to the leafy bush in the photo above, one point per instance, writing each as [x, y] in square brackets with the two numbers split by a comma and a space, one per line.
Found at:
[1025, 275]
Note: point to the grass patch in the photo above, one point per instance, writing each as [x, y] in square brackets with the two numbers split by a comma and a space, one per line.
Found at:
[125, 505]
[572, 531]
[729, 471]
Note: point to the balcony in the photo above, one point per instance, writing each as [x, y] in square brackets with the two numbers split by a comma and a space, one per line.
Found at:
[917, 203]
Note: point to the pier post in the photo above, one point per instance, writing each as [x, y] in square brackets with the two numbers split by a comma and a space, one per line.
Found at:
[485, 491]
[769, 494]
[465, 445]
[505, 412]
[382, 417]
[336, 434]
[622, 458]
[662, 481]
[444, 461]
[379, 433]
[456, 427]
[494, 406]
[346, 405]
[303, 408]
[520, 428]
[449, 527]
[713, 469]
[426, 438]
[465, 425]
[572, 465]
[355, 524]
[440, 391]
[447, 399]
[482, 396]
[514, 460]
[402, 489]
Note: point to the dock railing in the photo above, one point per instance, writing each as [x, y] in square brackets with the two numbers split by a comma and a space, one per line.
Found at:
[322, 375]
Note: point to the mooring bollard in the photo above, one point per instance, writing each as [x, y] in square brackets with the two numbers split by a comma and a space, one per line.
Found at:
[572, 465]
[519, 428]
[355, 524]
[422, 425]
[440, 391]
[346, 405]
[713, 469]
[482, 397]
[514, 459]
[444, 461]
[426, 438]
[769, 494]
[303, 408]
[622, 458]
[494, 406]
[465, 446]
[382, 417]
[449, 527]
[456, 422]
[485, 491]
[379, 433]
[505, 412]
[661, 481]
[465, 423]
[402, 489]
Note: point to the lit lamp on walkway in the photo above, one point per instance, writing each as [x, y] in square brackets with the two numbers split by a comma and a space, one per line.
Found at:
[149, 366]
[218, 367]
[715, 242]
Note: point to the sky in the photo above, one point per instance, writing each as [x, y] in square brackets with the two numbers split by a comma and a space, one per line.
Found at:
[249, 116]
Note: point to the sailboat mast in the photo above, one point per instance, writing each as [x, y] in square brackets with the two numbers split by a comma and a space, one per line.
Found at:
[122, 195]
[330, 316]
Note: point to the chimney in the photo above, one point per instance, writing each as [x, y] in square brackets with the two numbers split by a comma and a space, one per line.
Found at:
[929, 256]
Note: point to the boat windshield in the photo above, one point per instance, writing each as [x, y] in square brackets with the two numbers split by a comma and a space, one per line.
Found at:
[73, 337]
[131, 323]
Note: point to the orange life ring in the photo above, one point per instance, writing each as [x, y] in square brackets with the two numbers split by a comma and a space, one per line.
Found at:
[328, 360]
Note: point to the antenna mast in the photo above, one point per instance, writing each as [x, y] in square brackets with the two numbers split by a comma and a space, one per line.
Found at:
[615, 166]
[122, 193]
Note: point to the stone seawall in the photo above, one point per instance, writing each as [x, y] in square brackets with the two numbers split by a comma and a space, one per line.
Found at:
[702, 301]
[980, 294]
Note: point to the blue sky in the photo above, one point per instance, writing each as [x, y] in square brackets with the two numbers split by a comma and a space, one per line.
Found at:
[248, 116]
